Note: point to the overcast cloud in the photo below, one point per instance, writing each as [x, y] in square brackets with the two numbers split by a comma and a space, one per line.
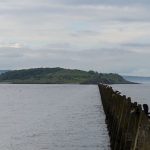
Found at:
[106, 36]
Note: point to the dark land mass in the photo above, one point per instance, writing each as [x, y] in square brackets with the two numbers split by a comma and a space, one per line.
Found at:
[3, 71]
[60, 76]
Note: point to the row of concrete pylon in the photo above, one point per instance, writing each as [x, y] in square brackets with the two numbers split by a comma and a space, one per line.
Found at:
[128, 124]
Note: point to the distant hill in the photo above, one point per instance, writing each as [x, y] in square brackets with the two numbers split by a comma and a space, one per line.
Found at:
[59, 76]
[137, 79]
[3, 71]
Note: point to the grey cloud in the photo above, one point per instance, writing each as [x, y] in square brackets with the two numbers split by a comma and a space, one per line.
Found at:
[84, 34]
[6, 52]
[109, 2]
[47, 8]
[81, 1]
[102, 60]
[139, 45]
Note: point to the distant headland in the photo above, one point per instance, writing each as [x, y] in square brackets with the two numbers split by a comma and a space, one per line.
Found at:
[60, 76]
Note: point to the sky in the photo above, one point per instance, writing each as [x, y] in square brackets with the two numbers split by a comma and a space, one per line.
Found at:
[101, 35]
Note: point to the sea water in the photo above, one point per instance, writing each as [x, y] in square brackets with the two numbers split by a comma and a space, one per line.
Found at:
[52, 117]
[138, 92]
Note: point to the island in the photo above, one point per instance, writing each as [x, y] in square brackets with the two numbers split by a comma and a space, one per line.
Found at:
[60, 76]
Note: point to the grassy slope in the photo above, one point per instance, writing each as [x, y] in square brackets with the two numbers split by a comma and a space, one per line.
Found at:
[59, 76]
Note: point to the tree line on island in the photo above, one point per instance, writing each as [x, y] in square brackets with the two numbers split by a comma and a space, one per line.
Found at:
[60, 76]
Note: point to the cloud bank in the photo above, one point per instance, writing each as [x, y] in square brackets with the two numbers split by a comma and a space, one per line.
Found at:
[107, 36]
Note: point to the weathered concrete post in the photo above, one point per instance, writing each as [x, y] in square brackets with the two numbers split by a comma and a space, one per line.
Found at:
[128, 124]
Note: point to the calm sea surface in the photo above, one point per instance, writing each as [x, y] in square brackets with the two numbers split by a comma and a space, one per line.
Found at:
[138, 92]
[52, 117]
